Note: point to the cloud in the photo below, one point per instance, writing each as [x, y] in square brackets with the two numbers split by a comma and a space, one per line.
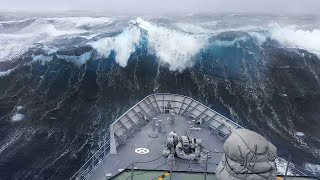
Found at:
[164, 6]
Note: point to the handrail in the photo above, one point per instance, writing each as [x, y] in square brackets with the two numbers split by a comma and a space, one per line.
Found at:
[92, 163]
[229, 121]
[226, 121]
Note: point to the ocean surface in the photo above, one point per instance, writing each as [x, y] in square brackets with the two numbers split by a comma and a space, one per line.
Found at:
[64, 79]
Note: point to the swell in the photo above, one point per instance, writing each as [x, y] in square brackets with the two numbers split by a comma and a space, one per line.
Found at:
[172, 45]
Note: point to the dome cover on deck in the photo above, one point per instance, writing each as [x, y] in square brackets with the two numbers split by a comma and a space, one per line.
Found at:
[248, 155]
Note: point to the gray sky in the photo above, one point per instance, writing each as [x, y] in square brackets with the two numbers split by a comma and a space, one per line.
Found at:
[164, 6]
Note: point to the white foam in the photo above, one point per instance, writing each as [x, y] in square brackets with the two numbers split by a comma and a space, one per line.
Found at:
[89, 36]
[230, 43]
[49, 49]
[5, 73]
[313, 168]
[123, 44]
[259, 38]
[192, 28]
[103, 46]
[78, 60]
[210, 23]
[83, 21]
[15, 21]
[172, 47]
[19, 107]
[65, 26]
[43, 59]
[292, 37]
[13, 46]
[248, 28]
[282, 165]
[49, 30]
[45, 30]
[17, 117]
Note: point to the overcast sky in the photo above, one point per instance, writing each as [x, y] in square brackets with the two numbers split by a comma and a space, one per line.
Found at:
[165, 6]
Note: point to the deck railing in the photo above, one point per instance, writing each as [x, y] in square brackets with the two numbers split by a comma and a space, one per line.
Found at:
[160, 106]
[91, 164]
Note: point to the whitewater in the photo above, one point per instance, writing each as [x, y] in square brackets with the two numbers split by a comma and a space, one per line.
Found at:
[64, 79]
[163, 41]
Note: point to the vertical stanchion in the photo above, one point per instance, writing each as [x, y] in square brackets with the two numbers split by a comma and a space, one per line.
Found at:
[205, 173]
[92, 163]
[104, 150]
[171, 165]
[132, 169]
[293, 169]
[288, 162]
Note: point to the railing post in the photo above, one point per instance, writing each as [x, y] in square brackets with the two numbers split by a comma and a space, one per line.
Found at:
[132, 170]
[104, 150]
[171, 164]
[288, 162]
[92, 163]
[205, 173]
[293, 169]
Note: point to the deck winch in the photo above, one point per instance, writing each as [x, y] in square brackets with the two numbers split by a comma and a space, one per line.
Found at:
[185, 147]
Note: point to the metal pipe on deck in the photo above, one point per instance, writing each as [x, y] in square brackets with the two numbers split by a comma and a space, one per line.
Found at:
[205, 173]
[132, 170]
[171, 164]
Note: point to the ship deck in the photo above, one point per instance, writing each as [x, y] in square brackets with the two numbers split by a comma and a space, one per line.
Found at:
[139, 128]
[149, 137]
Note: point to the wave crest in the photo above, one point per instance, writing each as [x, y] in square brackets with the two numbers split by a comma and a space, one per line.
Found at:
[292, 37]
[123, 45]
[171, 47]
[176, 47]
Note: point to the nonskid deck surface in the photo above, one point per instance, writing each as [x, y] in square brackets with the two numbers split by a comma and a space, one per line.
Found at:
[149, 137]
